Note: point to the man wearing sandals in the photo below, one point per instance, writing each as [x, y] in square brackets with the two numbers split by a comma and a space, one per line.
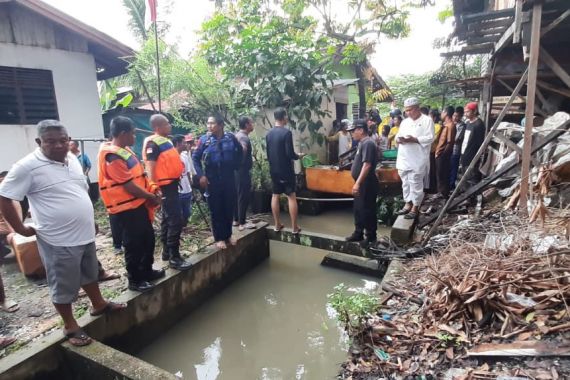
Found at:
[62, 212]
[414, 140]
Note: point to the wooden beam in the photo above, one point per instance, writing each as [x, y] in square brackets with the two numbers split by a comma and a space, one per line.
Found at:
[478, 155]
[482, 16]
[547, 86]
[474, 49]
[518, 22]
[484, 39]
[499, 137]
[555, 23]
[502, 23]
[554, 66]
[539, 110]
[504, 41]
[530, 99]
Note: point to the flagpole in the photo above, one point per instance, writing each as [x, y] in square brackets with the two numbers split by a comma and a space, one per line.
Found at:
[157, 65]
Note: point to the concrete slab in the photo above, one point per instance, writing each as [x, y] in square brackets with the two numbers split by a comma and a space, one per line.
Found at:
[370, 267]
[98, 361]
[402, 230]
[318, 240]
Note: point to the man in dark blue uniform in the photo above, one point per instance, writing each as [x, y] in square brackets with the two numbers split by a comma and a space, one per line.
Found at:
[215, 159]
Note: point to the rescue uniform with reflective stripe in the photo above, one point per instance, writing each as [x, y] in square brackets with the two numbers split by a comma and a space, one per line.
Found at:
[168, 170]
[118, 166]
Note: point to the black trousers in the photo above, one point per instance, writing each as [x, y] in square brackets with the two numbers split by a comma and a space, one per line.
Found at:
[116, 231]
[365, 210]
[138, 239]
[171, 225]
[443, 172]
[221, 201]
[243, 185]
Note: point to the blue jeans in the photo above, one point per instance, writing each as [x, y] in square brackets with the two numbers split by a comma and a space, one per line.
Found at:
[186, 206]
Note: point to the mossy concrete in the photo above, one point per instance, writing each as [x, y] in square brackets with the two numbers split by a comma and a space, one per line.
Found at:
[98, 361]
[148, 314]
[319, 241]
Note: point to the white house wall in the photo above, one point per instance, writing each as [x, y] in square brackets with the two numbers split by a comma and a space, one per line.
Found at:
[75, 85]
[264, 123]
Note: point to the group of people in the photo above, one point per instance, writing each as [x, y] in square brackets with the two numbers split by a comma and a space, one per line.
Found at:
[432, 147]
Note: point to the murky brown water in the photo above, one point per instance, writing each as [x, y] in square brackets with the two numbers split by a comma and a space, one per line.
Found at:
[274, 323]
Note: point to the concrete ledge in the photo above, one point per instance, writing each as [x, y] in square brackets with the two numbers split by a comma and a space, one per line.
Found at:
[98, 361]
[370, 267]
[317, 240]
[148, 314]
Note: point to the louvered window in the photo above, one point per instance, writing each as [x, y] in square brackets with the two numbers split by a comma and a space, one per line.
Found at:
[27, 96]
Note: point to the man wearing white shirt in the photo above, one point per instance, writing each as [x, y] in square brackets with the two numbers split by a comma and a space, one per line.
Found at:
[183, 144]
[414, 139]
[53, 181]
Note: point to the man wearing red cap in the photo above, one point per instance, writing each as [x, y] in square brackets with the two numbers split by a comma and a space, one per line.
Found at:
[472, 141]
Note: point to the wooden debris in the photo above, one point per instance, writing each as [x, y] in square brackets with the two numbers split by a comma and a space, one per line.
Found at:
[521, 349]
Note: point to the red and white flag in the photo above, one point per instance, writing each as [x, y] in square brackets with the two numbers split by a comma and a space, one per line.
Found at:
[152, 9]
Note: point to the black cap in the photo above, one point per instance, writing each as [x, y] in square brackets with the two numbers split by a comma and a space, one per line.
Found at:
[359, 123]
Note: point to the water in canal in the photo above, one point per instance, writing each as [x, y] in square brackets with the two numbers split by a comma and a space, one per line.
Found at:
[273, 323]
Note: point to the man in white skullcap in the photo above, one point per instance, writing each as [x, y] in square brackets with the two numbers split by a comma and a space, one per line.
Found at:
[414, 140]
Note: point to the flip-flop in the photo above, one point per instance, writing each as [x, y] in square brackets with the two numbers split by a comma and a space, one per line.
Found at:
[297, 232]
[278, 228]
[9, 306]
[411, 215]
[79, 337]
[403, 211]
[108, 277]
[5, 341]
[110, 307]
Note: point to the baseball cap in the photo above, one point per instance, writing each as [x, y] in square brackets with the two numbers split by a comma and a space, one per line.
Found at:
[471, 106]
[189, 137]
[358, 123]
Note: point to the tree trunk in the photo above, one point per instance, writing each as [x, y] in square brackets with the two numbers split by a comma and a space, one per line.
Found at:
[359, 69]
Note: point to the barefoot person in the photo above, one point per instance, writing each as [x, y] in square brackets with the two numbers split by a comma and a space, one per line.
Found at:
[64, 223]
[216, 159]
[414, 138]
[281, 155]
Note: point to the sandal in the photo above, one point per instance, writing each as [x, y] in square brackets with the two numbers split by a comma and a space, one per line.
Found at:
[297, 232]
[9, 306]
[110, 307]
[403, 211]
[278, 228]
[104, 276]
[78, 338]
[411, 215]
[5, 341]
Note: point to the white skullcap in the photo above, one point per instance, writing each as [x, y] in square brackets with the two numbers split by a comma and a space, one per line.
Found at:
[411, 102]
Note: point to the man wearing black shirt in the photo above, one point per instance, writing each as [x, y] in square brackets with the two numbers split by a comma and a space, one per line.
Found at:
[243, 174]
[281, 155]
[366, 186]
[472, 141]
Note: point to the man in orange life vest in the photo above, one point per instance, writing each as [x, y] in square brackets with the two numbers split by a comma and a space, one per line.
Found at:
[164, 169]
[128, 197]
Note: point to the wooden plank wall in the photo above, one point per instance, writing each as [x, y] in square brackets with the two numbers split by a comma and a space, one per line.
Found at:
[23, 27]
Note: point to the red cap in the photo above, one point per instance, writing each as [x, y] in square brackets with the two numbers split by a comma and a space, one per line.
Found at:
[471, 106]
[189, 137]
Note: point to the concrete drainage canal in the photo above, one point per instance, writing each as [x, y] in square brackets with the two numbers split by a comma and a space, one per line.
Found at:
[273, 322]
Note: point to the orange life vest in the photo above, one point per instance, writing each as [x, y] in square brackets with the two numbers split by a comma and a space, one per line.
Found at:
[168, 167]
[114, 195]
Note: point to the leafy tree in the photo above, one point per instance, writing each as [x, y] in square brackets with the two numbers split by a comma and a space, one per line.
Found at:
[272, 57]
[356, 36]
